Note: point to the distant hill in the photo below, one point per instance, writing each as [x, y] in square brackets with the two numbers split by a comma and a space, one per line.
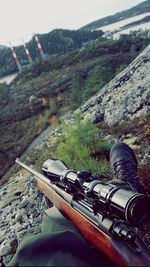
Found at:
[58, 41]
[139, 9]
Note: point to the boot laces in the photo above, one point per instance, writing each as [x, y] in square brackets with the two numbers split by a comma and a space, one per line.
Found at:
[125, 170]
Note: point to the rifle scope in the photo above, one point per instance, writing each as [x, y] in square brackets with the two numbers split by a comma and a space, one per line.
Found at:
[122, 203]
[107, 198]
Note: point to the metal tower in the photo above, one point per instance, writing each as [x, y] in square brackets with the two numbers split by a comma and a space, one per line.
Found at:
[15, 58]
[40, 48]
[27, 53]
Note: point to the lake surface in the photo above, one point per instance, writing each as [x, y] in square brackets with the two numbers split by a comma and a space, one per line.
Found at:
[143, 27]
[7, 79]
[119, 24]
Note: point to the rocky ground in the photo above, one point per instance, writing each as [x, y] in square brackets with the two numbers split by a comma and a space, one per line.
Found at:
[21, 210]
[22, 205]
[126, 97]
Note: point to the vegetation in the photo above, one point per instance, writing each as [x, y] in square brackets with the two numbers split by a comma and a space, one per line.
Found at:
[105, 63]
[55, 42]
[78, 144]
[81, 146]
[4, 92]
[60, 84]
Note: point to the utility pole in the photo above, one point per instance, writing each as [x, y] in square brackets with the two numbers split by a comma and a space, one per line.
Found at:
[40, 48]
[27, 53]
[15, 58]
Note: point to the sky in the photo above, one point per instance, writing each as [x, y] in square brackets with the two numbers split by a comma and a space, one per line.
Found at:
[20, 19]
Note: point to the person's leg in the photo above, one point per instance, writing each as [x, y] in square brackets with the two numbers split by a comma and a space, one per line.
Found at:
[59, 248]
[59, 244]
[54, 221]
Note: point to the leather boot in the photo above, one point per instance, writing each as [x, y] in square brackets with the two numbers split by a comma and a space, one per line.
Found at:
[124, 165]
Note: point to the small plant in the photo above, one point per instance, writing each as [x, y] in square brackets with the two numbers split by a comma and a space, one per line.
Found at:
[77, 145]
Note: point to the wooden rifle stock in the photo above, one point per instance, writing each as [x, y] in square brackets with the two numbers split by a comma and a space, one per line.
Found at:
[116, 250]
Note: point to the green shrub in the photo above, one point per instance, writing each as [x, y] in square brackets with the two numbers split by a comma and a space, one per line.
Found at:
[4, 92]
[97, 78]
[77, 145]
[76, 88]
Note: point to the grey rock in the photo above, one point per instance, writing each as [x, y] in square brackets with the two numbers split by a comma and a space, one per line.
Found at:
[24, 203]
[126, 97]
[98, 117]
[2, 236]
[5, 249]
[7, 259]
[18, 217]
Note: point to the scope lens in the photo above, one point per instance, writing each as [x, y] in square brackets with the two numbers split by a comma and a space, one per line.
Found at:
[137, 210]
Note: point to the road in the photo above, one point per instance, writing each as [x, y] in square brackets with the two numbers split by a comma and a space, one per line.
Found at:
[46, 132]
[37, 140]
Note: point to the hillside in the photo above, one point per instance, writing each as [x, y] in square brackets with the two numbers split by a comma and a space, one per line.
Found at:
[123, 105]
[119, 111]
[141, 8]
[60, 84]
[55, 42]
[127, 96]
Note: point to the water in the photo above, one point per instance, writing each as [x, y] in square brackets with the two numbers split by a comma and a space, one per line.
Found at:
[9, 78]
[144, 26]
[119, 24]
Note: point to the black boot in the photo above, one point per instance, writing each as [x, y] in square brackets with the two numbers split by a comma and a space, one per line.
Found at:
[124, 164]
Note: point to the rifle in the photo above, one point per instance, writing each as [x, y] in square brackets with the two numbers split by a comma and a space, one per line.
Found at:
[105, 214]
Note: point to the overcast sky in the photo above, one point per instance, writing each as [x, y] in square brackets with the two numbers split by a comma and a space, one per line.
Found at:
[21, 18]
